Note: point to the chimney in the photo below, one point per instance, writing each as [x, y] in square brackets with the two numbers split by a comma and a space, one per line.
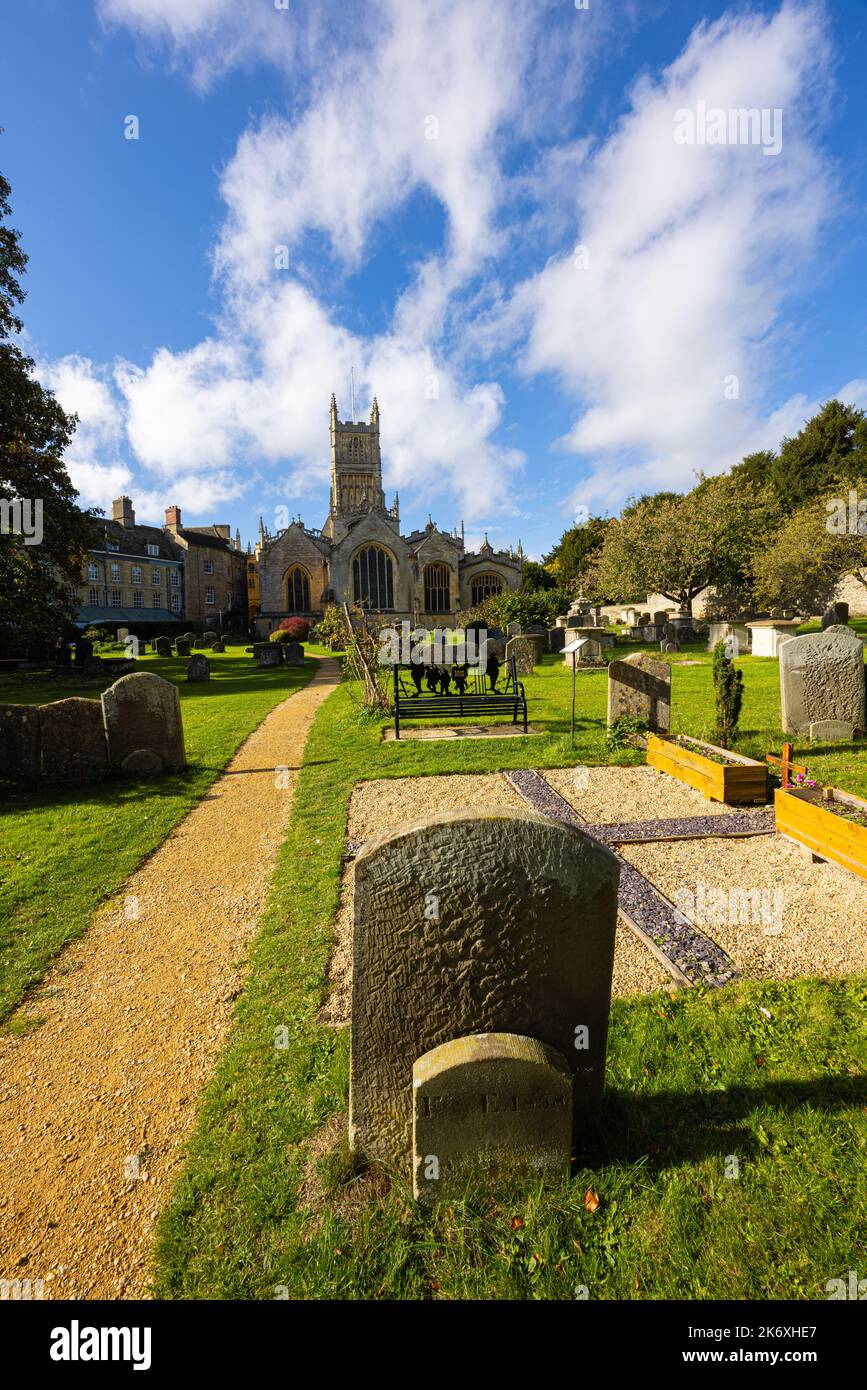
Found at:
[173, 518]
[121, 510]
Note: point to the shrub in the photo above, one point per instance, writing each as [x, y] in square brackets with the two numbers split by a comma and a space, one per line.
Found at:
[331, 629]
[624, 732]
[297, 629]
[98, 634]
[728, 684]
[538, 606]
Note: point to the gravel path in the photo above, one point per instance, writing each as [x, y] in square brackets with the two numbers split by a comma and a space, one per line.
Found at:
[609, 794]
[135, 1014]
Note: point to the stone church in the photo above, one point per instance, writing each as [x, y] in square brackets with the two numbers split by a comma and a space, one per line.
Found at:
[427, 577]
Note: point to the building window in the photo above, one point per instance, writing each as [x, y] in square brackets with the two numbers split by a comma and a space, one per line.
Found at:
[155, 600]
[175, 578]
[437, 589]
[372, 576]
[92, 571]
[112, 545]
[153, 550]
[484, 586]
[138, 599]
[94, 598]
[115, 572]
[209, 596]
[176, 603]
[297, 590]
[209, 567]
[115, 598]
[136, 574]
[156, 575]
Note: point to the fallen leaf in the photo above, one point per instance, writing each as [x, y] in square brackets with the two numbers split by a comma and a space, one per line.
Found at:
[517, 1222]
[591, 1199]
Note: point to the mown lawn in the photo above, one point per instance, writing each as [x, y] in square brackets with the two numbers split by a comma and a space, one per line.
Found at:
[65, 850]
[765, 1074]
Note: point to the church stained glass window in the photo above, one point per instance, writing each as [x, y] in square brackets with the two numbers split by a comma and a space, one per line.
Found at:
[372, 575]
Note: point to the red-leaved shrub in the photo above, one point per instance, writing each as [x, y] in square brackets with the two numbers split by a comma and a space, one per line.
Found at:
[297, 628]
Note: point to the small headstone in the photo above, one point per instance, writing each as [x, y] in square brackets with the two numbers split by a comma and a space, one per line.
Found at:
[122, 634]
[829, 618]
[465, 923]
[218, 646]
[831, 731]
[163, 646]
[667, 646]
[19, 743]
[182, 646]
[556, 639]
[640, 688]
[513, 629]
[73, 741]
[527, 651]
[83, 650]
[142, 762]
[493, 1107]
[209, 638]
[198, 668]
[842, 611]
[821, 678]
[660, 618]
[144, 711]
[293, 653]
[267, 653]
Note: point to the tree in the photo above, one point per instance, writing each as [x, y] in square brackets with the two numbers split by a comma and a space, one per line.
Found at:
[831, 446]
[677, 545]
[568, 562]
[43, 535]
[536, 577]
[813, 548]
[728, 684]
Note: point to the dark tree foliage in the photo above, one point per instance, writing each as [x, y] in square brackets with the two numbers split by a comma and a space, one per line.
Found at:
[34, 431]
[728, 684]
[831, 446]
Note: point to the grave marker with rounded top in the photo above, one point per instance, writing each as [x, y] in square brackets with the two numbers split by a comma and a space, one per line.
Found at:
[144, 711]
[822, 678]
[465, 923]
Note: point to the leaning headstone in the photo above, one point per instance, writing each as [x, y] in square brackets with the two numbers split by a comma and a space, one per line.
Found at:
[493, 1107]
[144, 711]
[163, 646]
[822, 677]
[527, 651]
[465, 923]
[198, 668]
[640, 688]
[73, 741]
[19, 743]
[831, 731]
[182, 646]
[293, 653]
[267, 653]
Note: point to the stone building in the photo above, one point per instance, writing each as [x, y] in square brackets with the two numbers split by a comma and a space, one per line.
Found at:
[427, 577]
[133, 574]
[215, 571]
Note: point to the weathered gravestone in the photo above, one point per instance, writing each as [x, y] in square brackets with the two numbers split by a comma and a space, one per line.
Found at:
[122, 634]
[527, 651]
[556, 639]
[822, 677]
[834, 614]
[466, 923]
[640, 688]
[491, 1107]
[293, 653]
[218, 646]
[209, 638]
[538, 630]
[73, 741]
[267, 653]
[831, 731]
[163, 646]
[513, 629]
[19, 743]
[198, 668]
[142, 711]
[182, 646]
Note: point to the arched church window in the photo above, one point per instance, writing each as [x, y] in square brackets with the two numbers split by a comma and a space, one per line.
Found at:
[437, 589]
[484, 586]
[372, 575]
[297, 590]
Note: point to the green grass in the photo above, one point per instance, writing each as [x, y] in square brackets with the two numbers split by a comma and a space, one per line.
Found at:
[691, 1080]
[63, 851]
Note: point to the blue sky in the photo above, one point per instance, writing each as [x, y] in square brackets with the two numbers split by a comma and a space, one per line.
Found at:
[430, 170]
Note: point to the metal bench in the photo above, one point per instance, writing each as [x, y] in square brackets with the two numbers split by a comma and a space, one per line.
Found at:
[477, 698]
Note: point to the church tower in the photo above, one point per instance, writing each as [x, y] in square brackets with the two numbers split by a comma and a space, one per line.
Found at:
[356, 470]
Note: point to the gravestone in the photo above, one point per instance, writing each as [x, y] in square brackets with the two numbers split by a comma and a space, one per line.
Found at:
[835, 614]
[73, 741]
[640, 688]
[189, 637]
[556, 639]
[538, 630]
[19, 743]
[267, 653]
[660, 618]
[831, 731]
[209, 638]
[83, 650]
[466, 923]
[842, 611]
[163, 646]
[198, 668]
[653, 632]
[682, 628]
[822, 677]
[122, 634]
[527, 652]
[142, 762]
[218, 646]
[513, 629]
[182, 646]
[142, 711]
[293, 653]
[492, 1107]
[592, 649]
